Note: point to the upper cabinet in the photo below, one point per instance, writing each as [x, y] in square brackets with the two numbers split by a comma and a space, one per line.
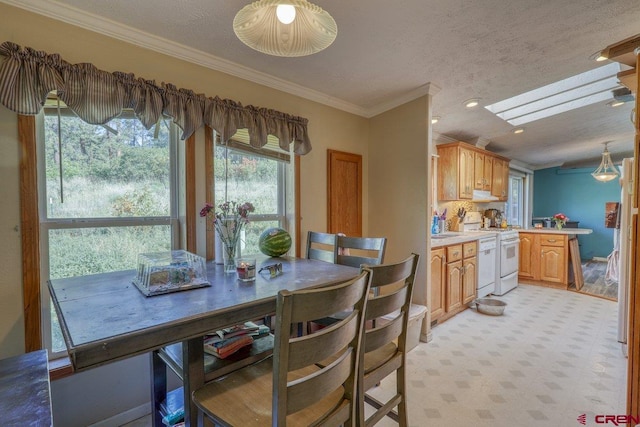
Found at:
[463, 168]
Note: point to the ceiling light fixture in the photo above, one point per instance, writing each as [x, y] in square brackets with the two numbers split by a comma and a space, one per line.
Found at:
[555, 98]
[288, 28]
[473, 102]
[518, 130]
[435, 119]
[607, 170]
[615, 103]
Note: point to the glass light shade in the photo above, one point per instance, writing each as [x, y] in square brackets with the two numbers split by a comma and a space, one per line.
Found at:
[286, 13]
[607, 170]
[257, 25]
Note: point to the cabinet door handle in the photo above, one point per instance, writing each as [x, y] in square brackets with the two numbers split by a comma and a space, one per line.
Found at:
[456, 253]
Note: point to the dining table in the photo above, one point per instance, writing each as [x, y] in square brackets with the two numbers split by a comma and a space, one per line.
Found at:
[105, 317]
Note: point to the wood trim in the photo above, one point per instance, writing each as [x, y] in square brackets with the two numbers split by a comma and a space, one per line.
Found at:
[209, 154]
[190, 192]
[298, 203]
[60, 368]
[30, 233]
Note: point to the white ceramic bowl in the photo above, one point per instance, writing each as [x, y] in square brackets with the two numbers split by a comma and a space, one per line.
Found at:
[490, 306]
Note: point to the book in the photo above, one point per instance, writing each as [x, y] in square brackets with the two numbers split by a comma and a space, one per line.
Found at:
[224, 347]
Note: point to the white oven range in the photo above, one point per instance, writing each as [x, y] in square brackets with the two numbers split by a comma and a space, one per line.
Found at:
[507, 258]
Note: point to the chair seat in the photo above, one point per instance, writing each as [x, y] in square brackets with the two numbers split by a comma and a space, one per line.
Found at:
[244, 398]
[379, 357]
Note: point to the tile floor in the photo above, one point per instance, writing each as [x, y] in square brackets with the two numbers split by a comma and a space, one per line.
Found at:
[550, 358]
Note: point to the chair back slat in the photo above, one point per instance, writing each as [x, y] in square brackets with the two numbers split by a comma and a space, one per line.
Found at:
[355, 251]
[312, 388]
[322, 246]
[384, 334]
[334, 298]
[328, 342]
[386, 304]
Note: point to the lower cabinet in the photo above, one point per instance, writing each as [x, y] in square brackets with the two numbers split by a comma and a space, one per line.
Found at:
[544, 259]
[454, 278]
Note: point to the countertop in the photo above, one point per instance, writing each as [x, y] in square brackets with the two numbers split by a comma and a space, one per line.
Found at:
[452, 238]
[554, 230]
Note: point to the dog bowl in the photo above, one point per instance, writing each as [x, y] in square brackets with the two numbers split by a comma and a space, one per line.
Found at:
[490, 306]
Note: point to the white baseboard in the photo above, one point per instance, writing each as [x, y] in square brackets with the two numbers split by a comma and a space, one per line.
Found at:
[125, 417]
[599, 258]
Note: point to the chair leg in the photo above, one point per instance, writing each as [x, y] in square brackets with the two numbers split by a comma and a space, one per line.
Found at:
[402, 391]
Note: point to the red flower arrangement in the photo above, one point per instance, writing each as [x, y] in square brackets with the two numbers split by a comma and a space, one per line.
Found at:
[560, 219]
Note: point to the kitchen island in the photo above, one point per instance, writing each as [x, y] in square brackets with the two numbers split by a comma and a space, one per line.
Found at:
[551, 257]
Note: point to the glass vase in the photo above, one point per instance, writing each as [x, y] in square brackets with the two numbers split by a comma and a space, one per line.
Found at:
[229, 258]
[559, 225]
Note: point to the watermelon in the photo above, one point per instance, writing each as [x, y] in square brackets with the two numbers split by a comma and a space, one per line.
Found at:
[274, 241]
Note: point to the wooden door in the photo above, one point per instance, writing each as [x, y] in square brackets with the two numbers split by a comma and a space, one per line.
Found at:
[525, 264]
[469, 279]
[453, 298]
[552, 264]
[437, 283]
[344, 193]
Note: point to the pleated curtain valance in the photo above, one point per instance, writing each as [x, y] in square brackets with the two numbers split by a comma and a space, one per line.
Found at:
[96, 96]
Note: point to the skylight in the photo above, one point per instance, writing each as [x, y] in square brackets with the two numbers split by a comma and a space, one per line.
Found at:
[565, 95]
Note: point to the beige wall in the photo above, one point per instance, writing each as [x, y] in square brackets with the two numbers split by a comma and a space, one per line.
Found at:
[399, 184]
[328, 128]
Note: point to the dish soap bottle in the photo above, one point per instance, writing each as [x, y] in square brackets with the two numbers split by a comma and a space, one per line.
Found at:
[503, 224]
[434, 226]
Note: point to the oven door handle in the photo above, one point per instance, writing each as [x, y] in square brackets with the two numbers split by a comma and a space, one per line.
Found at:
[509, 242]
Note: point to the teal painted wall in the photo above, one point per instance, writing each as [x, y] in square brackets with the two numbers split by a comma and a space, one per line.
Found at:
[578, 195]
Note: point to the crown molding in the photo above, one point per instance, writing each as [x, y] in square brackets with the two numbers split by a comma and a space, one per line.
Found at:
[426, 89]
[73, 16]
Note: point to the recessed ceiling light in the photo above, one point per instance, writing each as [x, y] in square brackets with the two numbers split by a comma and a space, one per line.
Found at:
[601, 58]
[470, 103]
[518, 130]
[435, 119]
[555, 98]
[615, 103]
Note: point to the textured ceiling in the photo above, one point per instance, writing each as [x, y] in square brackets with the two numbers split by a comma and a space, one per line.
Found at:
[386, 51]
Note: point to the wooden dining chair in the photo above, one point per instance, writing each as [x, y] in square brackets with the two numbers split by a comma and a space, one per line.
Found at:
[322, 246]
[290, 389]
[355, 251]
[386, 339]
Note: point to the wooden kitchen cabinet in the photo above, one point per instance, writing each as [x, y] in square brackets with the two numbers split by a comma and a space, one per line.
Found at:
[469, 272]
[438, 265]
[500, 179]
[483, 171]
[463, 168]
[544, 259]
[454, 278]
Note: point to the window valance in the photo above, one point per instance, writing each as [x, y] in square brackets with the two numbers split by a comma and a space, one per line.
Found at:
[97, 96]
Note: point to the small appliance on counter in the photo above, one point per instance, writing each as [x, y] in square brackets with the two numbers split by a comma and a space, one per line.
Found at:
[494, 216]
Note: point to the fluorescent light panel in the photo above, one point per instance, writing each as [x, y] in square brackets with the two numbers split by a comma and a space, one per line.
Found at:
[565, 95]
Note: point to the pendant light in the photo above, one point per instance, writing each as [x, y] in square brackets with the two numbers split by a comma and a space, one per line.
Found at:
[607, 170]
[288, 28]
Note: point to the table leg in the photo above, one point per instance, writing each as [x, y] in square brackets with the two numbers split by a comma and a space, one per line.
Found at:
[158, 388]
[193, 377]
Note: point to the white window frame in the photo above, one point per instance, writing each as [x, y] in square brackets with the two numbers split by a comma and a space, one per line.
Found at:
[47, 224]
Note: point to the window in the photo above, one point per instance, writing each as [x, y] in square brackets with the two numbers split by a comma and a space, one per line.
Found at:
[244, 174]
[515, 203]
[106, 193]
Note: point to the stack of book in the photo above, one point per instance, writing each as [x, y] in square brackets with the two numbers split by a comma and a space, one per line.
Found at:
[225, 342]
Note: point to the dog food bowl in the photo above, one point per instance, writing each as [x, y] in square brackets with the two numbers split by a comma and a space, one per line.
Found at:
[490, 306]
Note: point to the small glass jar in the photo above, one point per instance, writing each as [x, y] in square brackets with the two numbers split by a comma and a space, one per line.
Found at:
[246, 269]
